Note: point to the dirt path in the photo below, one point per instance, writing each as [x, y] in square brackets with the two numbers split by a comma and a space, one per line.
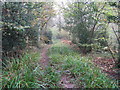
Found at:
[45, 59]
[65, 82]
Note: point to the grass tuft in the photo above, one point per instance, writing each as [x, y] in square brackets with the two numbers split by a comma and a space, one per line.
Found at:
[18, 73]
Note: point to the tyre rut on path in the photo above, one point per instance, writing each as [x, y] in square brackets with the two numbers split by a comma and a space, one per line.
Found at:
[65, 79]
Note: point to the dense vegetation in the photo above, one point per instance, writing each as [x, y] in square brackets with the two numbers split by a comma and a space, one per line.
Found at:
[21, 25]
[88, 23]
[75, 36]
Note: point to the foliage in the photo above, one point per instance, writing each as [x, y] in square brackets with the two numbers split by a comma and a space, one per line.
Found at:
[12, 34]
[21, 22]
[87, 23]
[115, 19]
[48, 34]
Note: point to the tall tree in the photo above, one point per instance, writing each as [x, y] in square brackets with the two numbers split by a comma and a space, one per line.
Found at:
[20, 23]
[83, 19]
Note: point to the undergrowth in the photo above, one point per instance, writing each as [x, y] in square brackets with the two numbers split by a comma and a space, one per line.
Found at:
[26, 72]
[86, 74]
[19, 73]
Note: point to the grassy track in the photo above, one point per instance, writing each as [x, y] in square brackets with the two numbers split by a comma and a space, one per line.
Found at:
[65, 60]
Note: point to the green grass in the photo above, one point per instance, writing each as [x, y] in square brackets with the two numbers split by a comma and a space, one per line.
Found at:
[86, 74]
[18, 73]
[26, 72]
[47, 78]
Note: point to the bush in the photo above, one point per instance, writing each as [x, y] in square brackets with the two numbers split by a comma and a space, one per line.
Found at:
[48, 37]
[13, 42]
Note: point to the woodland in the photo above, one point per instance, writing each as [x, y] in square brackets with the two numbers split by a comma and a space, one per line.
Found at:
[60, 45]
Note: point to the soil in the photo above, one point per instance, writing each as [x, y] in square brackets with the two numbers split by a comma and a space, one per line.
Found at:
[45, 59]
[107, 65]
[65, 82]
